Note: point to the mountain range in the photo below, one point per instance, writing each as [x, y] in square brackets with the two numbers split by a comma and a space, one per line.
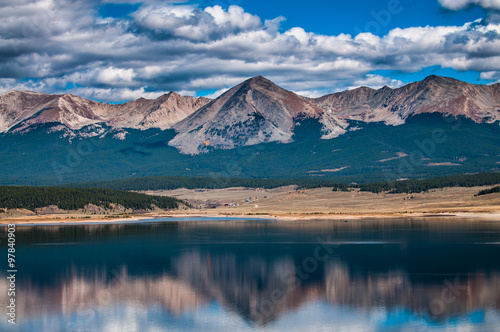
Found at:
[435, 127]
[253, 112]
[19, 110]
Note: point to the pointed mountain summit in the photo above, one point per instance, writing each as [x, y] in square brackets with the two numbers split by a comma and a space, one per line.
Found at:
[255, 111]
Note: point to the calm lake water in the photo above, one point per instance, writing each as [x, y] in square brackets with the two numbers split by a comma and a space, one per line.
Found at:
[206, 275]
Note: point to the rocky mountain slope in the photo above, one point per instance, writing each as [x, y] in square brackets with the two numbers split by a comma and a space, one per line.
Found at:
[19, 110]
[448, 96]
[253, 112]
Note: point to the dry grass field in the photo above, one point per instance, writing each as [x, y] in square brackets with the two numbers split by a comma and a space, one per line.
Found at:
[289, 201]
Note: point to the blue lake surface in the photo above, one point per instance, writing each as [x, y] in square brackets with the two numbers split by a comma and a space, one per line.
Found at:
[259, 275]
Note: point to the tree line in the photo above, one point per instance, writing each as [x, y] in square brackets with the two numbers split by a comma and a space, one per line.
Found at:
[13, 197]
[176, 182]
[394, 187]
[417, 186]
[489, 191]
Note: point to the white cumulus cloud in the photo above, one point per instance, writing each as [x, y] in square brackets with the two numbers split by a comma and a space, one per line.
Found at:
[461, 4]
[49, 45]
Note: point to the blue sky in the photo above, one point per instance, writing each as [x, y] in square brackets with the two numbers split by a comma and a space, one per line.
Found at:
[118, 50]
[334, 17]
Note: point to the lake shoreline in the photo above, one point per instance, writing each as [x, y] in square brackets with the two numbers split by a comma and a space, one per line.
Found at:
[223, 217]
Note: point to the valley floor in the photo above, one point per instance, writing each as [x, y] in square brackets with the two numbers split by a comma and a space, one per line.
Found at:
[290, 203]
[323, 202]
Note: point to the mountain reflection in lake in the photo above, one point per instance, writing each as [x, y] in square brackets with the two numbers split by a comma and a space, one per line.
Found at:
[384, 275]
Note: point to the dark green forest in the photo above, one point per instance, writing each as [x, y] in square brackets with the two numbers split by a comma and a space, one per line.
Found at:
[489, 191]
[417, 186]
[40, 157]
[405, 186]
[175, 182]
[12, 197]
